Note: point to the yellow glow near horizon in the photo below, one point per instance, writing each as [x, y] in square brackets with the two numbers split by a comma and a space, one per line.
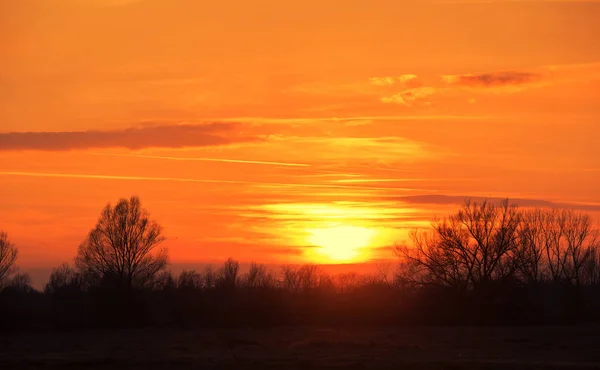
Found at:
[340, 243]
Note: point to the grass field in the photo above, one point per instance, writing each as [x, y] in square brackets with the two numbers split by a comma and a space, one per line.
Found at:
[307, 348]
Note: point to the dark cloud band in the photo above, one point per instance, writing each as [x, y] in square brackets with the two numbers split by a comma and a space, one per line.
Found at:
[493, 79]
[166, 136]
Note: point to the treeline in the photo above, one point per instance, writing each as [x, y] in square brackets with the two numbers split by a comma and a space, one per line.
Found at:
[489, 263]
[487, 244]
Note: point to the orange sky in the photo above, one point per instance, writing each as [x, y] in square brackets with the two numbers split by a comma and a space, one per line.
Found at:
[249, 127]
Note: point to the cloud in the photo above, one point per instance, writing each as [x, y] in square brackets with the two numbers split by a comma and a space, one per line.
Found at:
[204, 159]
[374, 150]
[411, 96]
[165, 136]
[455, 85]
[119, 177]
[405, 79]
[495, 79]
[287, 251]
[275, 186]
[454, 199]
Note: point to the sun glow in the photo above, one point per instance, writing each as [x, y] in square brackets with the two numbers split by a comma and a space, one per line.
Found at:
[340, 243]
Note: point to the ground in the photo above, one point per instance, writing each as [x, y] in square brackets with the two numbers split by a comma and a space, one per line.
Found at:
[573, 347]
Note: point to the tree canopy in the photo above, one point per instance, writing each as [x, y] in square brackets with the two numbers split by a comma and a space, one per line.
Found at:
[124, 247]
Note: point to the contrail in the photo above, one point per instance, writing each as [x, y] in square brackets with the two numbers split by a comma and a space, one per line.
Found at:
[288, 164]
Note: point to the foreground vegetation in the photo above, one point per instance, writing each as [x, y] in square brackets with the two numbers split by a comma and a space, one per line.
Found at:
[490, 263]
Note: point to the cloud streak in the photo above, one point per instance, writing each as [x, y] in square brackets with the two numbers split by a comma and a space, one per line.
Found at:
[405, 79]
[495, 79]
[455, 85]
[165, 136]
[199, 159]
[454, 199]
[265, 185]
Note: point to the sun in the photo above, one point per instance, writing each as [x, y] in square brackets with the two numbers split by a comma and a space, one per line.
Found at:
[340, 243]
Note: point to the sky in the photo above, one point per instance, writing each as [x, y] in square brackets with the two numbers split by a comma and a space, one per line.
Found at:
[290, 131]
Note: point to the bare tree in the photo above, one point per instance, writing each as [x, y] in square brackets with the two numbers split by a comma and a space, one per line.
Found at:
[591, 271]
[164, 281]
[8, 257]
[409, 272]
[556, 256]
[384, 268]
[63, 278]
[229, 273]
[21, 282]
[534, 240]
[210, 277]
[347, 281]
[305, 278]
[290, 278]
[258, 277]
[466, 250]
[189, 280]
[310, 277]
[581, 241]
[558, 245]
[123, 247]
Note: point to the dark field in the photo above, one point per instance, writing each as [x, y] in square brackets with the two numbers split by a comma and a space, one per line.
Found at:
[454, 348]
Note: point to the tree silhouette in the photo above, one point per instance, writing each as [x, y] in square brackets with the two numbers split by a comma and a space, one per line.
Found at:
[8, 257]
[559, 245]
[467, 250]
[535, 234]
[21, 282]
[304, 278]
[164, 280]
[189, 280]
[63, 280]
[581, 241]
[123, 249]
[258, 277]
[488, 262]
[210, 278]
[229, 274]
[487, 242]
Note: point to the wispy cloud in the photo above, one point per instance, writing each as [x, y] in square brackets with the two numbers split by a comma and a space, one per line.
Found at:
[495, 82]
[261, 184]
[374, 150]
[454, 199]
[411, 96]
[165, 136]
[348, 120]
[200, 159]
[119, 177]
[405, 79]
